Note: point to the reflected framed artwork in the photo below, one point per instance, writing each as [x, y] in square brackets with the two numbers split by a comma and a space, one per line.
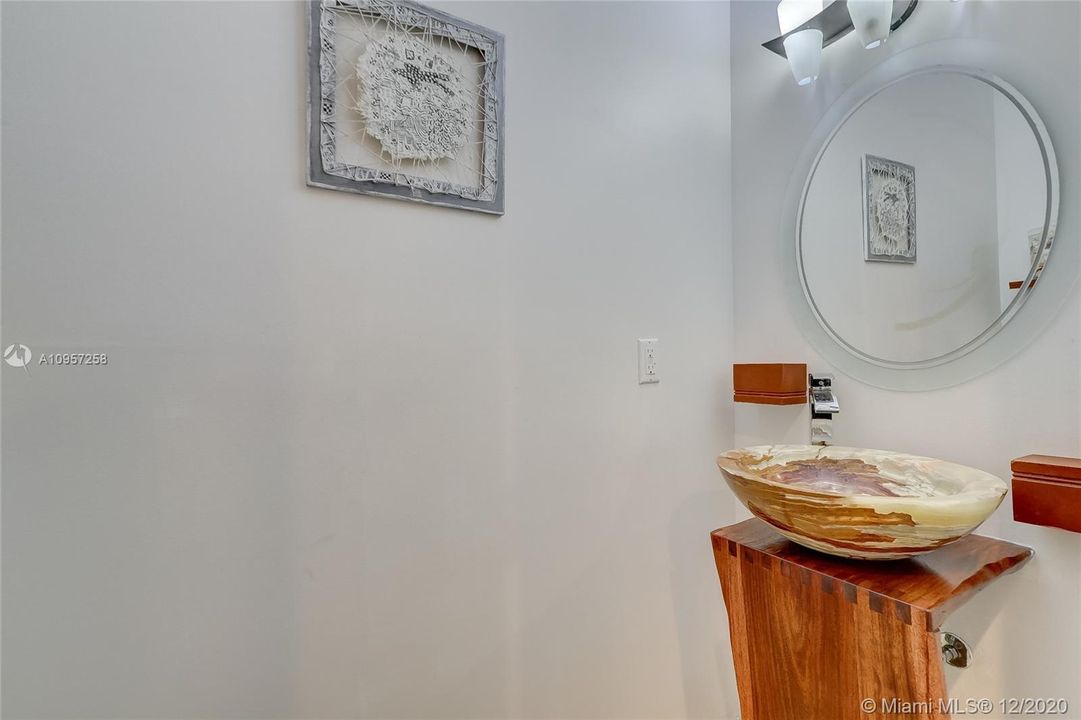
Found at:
[889, 210]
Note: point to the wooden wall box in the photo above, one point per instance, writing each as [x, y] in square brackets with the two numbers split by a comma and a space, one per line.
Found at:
[1047, 491]
[1016, 284]
[813, 635]
[770, 383]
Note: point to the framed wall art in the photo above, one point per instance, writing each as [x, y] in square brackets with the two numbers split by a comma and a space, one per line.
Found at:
[1036, 256]
[406, 102]
[889, 210]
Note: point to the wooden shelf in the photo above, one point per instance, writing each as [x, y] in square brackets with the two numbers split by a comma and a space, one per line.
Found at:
[813, 634]
[1047, 491]
[770, 383]
[1016, 284]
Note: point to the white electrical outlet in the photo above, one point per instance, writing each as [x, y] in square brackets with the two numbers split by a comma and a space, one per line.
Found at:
[647, 361]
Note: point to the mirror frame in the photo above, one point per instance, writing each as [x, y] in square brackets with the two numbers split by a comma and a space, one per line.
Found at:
[1002, 338]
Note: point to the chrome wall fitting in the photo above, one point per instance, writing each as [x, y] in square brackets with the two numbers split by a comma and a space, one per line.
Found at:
[955, 651]
[823, 407]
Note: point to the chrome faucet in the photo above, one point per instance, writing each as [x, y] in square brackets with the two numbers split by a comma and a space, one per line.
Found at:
[823, 407]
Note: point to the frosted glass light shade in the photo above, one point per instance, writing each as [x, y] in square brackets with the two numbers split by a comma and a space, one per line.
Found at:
[871, 18]
[793, 13]
[804, 51]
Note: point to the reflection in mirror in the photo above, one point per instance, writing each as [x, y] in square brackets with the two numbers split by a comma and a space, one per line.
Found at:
[924, 220]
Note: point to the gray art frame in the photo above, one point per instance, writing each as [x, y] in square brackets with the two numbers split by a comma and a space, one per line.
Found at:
[875, 168]
[326, 171]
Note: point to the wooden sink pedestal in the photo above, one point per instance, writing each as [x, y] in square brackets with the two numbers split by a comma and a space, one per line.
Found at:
[814, 635]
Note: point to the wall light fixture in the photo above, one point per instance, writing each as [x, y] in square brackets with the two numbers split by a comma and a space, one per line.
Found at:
[802, 46]
[807, 27]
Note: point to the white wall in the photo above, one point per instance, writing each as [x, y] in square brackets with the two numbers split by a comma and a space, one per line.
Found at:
[1026, 628]
[354, 457]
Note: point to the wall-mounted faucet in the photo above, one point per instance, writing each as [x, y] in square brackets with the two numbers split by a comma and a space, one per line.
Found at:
[823, 407]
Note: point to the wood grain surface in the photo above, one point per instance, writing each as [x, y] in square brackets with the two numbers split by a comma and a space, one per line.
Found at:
[814, 635]
[770, 383]
[1047, 491]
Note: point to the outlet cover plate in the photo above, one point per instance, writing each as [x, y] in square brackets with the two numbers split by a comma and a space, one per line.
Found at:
[647, 361]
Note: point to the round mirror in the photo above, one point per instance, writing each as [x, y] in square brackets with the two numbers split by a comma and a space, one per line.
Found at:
[927, 218]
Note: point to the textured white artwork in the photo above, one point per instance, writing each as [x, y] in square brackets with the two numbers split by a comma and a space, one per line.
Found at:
[889, 209]
[405, 101]
[412, 98]
[1039, 259]
[1035, 237]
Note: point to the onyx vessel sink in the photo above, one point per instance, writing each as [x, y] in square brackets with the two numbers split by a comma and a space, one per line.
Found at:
[856, 503]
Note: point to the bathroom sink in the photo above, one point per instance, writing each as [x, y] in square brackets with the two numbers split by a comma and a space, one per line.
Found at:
[856, 503]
